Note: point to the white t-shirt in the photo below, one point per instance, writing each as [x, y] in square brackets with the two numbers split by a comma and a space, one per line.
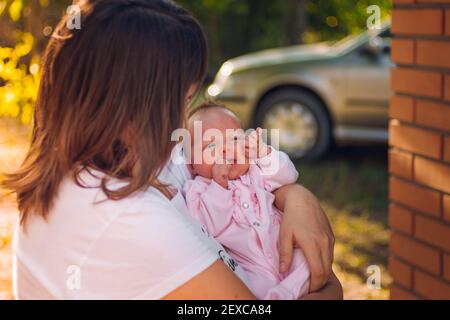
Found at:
[141, 247]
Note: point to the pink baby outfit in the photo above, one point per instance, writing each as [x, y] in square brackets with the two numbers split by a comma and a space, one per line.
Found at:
[245, 221]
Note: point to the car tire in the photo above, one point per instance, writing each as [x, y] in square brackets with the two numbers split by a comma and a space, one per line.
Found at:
[314, 106]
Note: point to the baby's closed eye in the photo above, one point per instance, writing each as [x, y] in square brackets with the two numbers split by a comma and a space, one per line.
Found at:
[210, 145]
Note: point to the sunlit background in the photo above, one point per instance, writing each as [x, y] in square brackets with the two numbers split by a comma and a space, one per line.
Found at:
[351, 182]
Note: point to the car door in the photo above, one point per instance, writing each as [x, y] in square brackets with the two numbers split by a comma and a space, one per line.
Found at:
[368, 84]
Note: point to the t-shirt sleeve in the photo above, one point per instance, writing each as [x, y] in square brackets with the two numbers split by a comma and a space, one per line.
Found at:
[145, 254]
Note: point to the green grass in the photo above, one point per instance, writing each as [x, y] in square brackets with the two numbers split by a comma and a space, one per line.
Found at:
[351, 183]
[351, 178]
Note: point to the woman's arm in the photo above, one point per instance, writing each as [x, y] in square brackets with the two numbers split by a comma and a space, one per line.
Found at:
[331, 291]
[217, 282]
[305, 225]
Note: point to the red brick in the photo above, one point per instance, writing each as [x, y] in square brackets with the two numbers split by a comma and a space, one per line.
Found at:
[446, 207]
[423, 46]
[397, 293]
[432, 232]
[413, 196]
[415, 252]
[400, 163]
[430, 287]
[447, 22]
[415, 139]
[423, 83]
[432, 174]
[400, 218]
[402, 51]
[433, 53]
[419, 22]
[447, 149]
[447, 266]
[401, 272]
[447, 88]
[432, 114]
[402, 108]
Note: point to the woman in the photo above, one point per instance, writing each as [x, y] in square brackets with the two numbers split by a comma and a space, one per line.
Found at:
[100, 211]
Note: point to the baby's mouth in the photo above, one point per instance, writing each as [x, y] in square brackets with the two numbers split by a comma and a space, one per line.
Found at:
[231, 161]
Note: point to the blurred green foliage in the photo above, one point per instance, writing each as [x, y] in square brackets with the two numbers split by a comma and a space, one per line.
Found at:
[18, 93]
[24, 28]
[233, 27]
[351, 183]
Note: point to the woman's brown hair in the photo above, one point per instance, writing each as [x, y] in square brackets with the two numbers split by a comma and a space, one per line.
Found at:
[110, 96]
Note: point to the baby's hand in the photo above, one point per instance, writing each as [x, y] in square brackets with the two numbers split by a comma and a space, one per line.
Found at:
[220, 174]
[255, 147]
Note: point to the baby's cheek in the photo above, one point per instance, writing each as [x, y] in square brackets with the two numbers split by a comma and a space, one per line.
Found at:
[238, 170]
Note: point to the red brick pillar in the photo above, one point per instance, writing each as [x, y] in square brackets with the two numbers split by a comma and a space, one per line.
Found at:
[419, 157]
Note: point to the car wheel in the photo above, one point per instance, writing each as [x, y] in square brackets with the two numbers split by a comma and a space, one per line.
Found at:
[305, 128]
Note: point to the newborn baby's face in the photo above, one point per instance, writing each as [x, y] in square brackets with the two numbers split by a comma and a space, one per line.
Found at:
[230, 148]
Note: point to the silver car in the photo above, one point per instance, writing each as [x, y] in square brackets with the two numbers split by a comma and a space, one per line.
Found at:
[315, 94]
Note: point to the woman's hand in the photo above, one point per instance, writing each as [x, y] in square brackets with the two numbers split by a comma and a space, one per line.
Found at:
[331, 291]
[305, 225]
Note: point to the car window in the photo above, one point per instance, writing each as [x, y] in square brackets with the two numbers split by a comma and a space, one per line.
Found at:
[386, 36]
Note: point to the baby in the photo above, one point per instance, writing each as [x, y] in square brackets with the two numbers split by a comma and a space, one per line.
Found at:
[232, 197]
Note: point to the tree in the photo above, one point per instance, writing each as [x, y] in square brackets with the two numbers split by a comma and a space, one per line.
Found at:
[233, 27]
[295, 21]
[23, 36]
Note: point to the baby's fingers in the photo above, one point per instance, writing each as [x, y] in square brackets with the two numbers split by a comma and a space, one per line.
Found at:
[252, 140]
[253, 134]
[259, 132]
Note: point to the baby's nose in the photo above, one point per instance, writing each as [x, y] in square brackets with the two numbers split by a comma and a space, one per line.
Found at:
[233, 150]
[229, 147]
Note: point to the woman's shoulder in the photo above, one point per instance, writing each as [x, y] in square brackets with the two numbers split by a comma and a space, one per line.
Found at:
[85, 198]
[144, 232]
[145, 217]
